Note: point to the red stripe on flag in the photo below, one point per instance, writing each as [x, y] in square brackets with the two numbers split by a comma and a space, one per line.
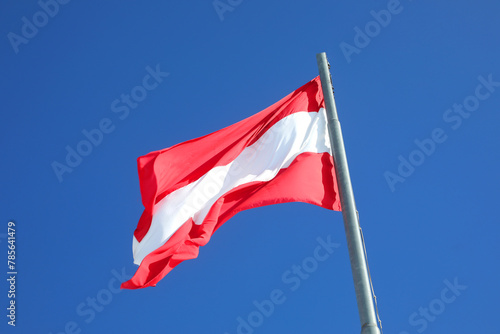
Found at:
[310, 178]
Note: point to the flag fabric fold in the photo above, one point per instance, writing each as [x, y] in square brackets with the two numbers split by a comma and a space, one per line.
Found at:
[281, 154]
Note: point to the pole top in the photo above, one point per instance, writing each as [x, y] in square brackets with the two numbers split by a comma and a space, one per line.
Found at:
[326, 83]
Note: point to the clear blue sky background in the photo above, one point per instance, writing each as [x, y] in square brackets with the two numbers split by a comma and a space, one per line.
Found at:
[439, 227]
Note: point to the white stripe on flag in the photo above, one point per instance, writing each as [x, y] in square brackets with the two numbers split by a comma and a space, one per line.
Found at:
[295, 134]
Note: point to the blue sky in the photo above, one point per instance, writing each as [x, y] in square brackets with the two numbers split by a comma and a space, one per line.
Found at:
[417, 88]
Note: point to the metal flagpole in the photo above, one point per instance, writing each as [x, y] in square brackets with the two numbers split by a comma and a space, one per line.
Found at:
[351, 224]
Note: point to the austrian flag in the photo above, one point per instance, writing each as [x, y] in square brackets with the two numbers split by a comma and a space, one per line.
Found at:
[281, 154]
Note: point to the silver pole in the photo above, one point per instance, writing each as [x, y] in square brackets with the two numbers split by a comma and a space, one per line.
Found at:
[354, 243]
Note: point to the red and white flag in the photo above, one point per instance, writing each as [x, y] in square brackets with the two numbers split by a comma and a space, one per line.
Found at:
[282, 154]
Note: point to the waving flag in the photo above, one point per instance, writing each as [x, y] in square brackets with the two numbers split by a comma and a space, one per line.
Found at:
[281, 154]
